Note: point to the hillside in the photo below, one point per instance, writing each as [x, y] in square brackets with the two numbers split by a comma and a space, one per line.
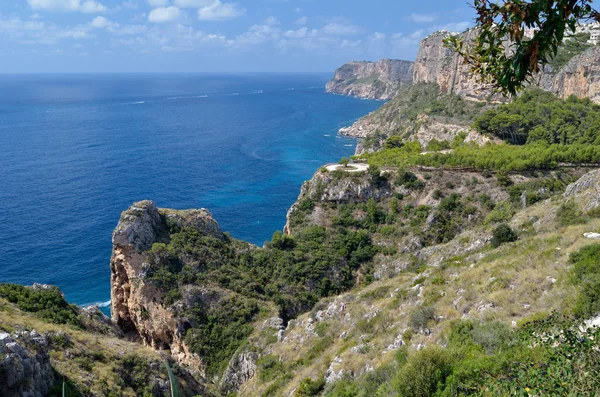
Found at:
[46, 343]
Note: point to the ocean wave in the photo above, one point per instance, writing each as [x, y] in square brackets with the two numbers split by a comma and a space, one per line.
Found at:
[348, 145]
[256, 92]
[136, 103]
[326, 135]
[290, 89]
[99, 304]
[201, 96]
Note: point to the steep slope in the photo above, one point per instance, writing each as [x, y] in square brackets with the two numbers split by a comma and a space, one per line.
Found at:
[420, 113]
[180, 284]
[422, 286]
[372, 80]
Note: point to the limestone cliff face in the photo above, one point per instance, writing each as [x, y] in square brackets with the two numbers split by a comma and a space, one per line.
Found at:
[580, 77]
[440, 65]
[372, 80]
[137, 305]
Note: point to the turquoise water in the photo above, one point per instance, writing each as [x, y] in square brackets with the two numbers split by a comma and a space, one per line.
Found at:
[77, 150]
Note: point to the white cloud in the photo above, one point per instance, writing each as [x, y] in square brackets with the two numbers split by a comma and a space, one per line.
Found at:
[158, 3]
[86, 6]
[218, 11]
[35, 32]
[340, 29]
[378, 36]
[271, 21]
[421, 18]
[92, 7]
[164, 14]
[296, 34]
[301, 21]
[192, 3]
[101, 22]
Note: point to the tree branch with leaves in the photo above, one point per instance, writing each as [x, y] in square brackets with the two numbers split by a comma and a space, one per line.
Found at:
[502, 54]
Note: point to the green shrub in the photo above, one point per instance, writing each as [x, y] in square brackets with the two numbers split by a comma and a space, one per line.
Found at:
[420, 318]
[424, 374]
[435, 146]
[409, 180]
[48, 304]
[310, 388]
[269, 368]
[502, 212]
[221, 329]
[569, 214]
[564, 362]
[134, 372]
[586, 275]
[503, 234]
[492, 337]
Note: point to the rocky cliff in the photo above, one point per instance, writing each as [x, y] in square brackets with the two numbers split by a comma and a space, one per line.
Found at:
[418, 113]
[580, 77]
[25, 368]
[439, 65]
[372, 80]
[137, 303]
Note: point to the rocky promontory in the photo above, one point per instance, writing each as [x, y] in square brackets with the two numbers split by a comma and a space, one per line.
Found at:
[137, 302]
[371, 80]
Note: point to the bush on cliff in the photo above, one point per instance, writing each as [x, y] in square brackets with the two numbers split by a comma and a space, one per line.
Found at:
[48, 304]
[503, 234]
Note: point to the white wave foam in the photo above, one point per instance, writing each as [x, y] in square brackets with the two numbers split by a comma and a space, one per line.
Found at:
[257, 92]
[201, 96]
[99, 304]
[326, 135]
[136, 103]
[347, 145]
[290, 89]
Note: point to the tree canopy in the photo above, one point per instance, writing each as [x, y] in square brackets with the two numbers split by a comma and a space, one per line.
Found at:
[502, 54]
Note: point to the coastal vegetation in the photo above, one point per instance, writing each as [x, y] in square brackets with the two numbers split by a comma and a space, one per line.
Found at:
[541, 132]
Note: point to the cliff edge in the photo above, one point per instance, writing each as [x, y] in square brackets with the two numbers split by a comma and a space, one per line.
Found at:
[371, 80]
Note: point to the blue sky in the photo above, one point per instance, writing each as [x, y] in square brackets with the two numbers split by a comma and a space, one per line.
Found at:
[215, 35]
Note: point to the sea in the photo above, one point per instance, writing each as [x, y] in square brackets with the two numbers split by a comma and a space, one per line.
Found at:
[77, 150]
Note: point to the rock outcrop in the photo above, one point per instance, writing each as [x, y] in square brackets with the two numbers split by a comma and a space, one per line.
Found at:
[137, 304]
[580, 77]
[241, 368]
[25, 369]
[585, 191]
[328, 187]
[372, 80]
[437, 64]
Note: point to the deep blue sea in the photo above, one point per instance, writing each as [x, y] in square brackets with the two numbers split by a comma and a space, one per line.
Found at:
[77, 150]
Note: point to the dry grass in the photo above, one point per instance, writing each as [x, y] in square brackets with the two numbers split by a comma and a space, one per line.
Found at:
[68, 361]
